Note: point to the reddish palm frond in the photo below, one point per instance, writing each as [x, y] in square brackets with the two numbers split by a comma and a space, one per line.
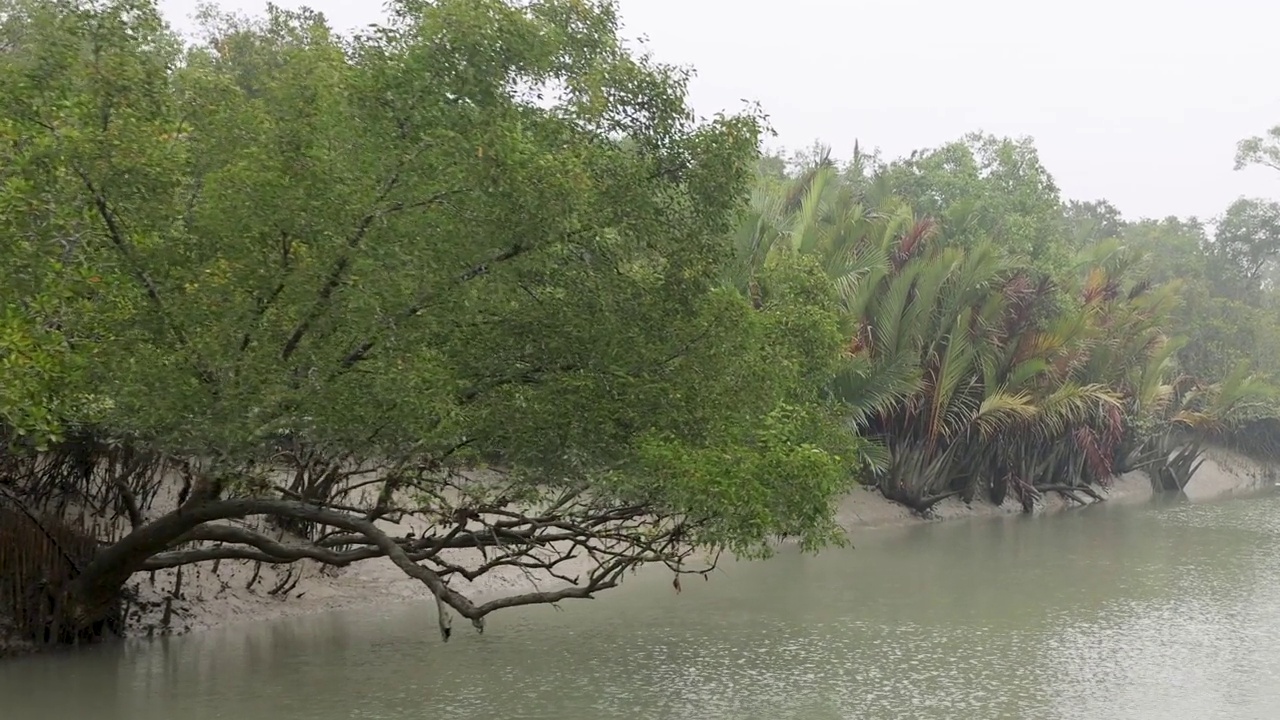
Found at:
[1019, 295]
[1018, 288]
[1094, 286]
[914, 240]
[1095, 456]
[1113, 426]
[854, 347]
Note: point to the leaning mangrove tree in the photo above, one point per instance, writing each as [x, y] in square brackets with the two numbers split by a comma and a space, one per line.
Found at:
[319, 278]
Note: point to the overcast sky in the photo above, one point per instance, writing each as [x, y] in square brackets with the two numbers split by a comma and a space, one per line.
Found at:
[1140, 102]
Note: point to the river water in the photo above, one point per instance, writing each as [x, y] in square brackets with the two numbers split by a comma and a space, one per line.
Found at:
[1154, 611]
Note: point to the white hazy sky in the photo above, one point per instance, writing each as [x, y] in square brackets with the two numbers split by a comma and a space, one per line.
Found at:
[1140, 102]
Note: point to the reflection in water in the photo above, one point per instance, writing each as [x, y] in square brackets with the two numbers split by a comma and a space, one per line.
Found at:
[1111, 612]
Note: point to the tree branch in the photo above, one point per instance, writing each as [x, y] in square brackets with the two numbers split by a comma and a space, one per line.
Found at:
[265, 304]
[130, 502]
[265, 550]
[616, 539]
[125, 249]
[339, 269]
[362, 351]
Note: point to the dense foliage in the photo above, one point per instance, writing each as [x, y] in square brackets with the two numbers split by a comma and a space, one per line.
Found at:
[1001, 340]
[484, 232]
[482, 268]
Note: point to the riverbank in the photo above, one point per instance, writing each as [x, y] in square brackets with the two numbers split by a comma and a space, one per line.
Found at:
[210, 600]
[1224, 474]
[204, 596]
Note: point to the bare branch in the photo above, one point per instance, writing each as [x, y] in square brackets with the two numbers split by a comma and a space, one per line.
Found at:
[265, 550]
[130, 502]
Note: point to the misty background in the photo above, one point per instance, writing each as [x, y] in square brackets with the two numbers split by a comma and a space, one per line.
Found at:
[1137, 102]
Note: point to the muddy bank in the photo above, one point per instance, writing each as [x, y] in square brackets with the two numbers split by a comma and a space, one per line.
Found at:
[1223, 474]
[206, 596]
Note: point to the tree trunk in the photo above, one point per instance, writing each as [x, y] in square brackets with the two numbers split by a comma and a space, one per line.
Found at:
[95, 590]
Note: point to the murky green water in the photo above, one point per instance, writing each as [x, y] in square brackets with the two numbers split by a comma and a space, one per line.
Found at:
[1112, 612]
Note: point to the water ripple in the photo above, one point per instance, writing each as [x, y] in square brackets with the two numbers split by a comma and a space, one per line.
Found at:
[1161, 612]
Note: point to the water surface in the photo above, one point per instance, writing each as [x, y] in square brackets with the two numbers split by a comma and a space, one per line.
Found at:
[1164, 611]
